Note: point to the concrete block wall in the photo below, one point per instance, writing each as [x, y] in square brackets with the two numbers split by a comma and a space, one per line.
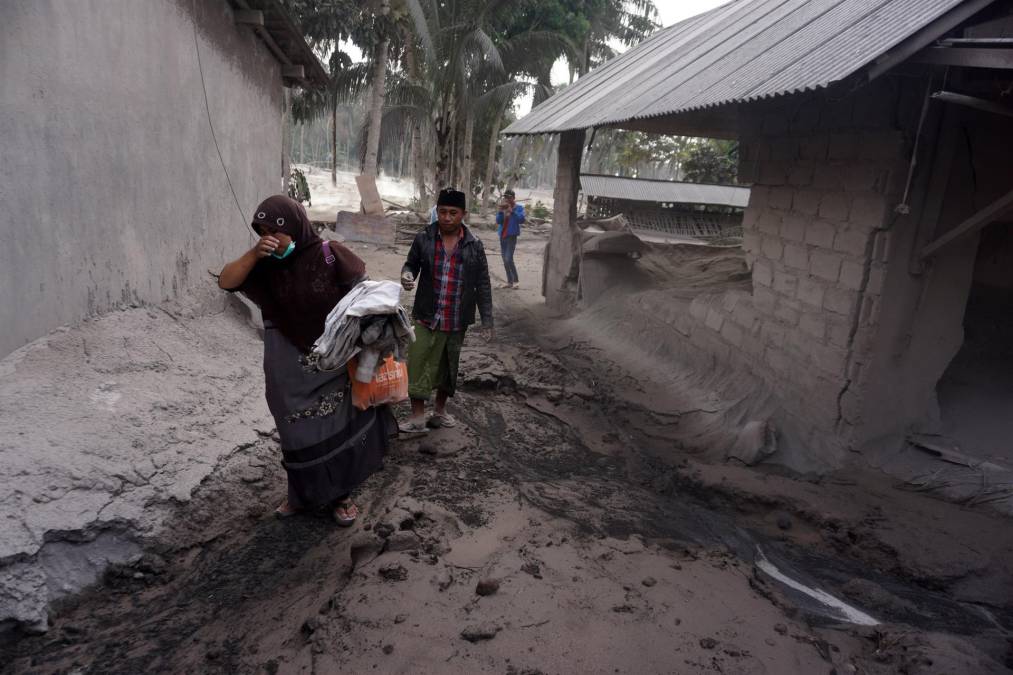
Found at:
[826, 177]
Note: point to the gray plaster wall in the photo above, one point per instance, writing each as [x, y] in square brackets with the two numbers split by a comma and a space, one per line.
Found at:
[111, 191]
[924, 305]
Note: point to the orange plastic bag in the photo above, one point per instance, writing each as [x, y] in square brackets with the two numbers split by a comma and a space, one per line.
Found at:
[389, 384]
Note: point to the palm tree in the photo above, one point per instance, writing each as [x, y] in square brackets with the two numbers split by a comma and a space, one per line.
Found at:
[625, 21]
[461, 72]
[326, 26]
[383, 29]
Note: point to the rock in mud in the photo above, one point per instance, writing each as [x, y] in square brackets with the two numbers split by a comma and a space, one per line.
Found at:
[481, 381]
[781, 629]
[784, 522]
[412, 506]
[393, 572]
[402, 541]
[311, 625]
[384, 529]
[708, 643]
[533, 569]
[400, 618]
[756, 441]
[363, 547]
[874, 597]
[649, 581]
[152, 563]
[487, 587]
[482, 631]
[388, 649]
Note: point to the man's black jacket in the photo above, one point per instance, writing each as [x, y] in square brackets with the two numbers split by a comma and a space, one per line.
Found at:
[476, 289]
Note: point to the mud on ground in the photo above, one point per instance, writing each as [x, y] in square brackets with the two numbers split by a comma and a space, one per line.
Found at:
[597, 543]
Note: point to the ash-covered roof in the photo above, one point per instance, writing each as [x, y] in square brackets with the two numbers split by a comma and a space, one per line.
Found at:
[742, 51]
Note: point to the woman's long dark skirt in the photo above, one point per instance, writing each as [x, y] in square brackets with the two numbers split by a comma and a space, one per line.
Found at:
[328, 445]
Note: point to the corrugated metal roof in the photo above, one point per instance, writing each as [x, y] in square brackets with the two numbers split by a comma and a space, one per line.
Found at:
[742, 51]
[640, 190]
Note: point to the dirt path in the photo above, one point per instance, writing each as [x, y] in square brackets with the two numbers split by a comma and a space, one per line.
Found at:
[609, 551]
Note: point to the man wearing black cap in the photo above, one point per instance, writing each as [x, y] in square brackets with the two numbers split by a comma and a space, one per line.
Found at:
[453, 276]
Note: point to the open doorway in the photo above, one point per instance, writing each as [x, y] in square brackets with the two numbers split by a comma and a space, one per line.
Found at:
[976, 391]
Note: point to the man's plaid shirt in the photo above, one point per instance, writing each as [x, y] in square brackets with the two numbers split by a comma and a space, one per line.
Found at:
[447, 273]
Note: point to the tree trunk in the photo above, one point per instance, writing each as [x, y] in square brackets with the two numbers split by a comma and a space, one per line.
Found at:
[445, 128]
[453, 156]
[405, 151]
[302, 143]
[369, 167]
[418, 164]
[334, 141]
[490, 165]
[466, 144]
[350, 118]
[515, 167]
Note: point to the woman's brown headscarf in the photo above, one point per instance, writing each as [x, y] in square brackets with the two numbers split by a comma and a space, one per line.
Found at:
[298, 292]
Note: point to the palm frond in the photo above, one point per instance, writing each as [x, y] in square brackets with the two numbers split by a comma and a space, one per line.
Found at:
[420, 24]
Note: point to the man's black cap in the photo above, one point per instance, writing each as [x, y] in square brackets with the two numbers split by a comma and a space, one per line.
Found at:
[451, 197]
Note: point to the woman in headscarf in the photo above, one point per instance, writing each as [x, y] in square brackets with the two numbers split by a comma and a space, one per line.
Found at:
[296, 278]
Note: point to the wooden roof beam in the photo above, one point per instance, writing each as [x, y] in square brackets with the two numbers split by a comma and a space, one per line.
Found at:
[971, 225]
[966, 57]
[249, 17]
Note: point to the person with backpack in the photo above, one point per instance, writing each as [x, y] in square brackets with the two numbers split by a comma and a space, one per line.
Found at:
[296, 278]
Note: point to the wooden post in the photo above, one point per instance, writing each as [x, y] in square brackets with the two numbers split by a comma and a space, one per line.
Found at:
[562, 257]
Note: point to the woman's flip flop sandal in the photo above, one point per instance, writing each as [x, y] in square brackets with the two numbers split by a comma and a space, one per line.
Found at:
[285, 511]
[346, 520]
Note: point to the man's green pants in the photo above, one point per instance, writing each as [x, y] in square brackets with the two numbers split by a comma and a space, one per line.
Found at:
[433, 361]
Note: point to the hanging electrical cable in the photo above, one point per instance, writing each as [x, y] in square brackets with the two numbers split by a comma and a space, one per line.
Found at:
[207, 109]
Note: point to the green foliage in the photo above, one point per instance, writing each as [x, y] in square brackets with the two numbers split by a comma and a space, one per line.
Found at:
[711, 161]
[634, 154]
[298, 188]
[540, 210]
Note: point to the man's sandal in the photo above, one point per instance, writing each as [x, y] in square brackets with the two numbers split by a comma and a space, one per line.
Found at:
[444, 421]
[412, 428]
[346, 513]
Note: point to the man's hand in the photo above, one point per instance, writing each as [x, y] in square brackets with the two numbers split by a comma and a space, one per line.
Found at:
[266, 246]
[407, 281]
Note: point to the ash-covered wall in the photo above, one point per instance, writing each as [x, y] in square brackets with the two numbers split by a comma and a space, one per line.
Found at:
[111, 189]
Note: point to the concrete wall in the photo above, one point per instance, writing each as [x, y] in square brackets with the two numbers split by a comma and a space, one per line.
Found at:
[842, 329]
[111, 190]
[826, 171]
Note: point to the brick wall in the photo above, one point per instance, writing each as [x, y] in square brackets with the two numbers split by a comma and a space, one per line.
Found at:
[826, 176]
